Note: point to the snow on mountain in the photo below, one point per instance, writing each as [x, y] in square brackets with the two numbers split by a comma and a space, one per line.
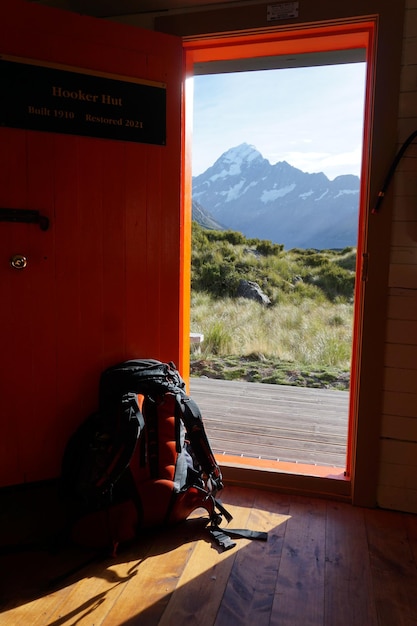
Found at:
[243, 191]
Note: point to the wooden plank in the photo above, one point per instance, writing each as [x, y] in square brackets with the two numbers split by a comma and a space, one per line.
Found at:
[349, 591]
[294, 454]
[404, 255]
[397, 475]
[249, 594]
[401, 452]
[405, 182]
[274, 421]
[401, 356]
[398, 427]
[411, 530]
[400, 379]
[397, 498]
[393, 568]
[325, 563]
[402, 276]
[201, 587]
[402, 304]
[146, 595]
[299, 594]
[282, 426]
[404, 233]
[402, 331]
[398, 403]
[13, 317]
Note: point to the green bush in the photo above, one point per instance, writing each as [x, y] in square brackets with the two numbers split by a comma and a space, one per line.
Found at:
[220, 259]
[335, 282]
[268, 248]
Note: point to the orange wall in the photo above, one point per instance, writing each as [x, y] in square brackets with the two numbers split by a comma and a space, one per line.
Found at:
[103, 283]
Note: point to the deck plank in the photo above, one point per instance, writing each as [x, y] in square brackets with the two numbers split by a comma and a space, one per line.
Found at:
[276, 422]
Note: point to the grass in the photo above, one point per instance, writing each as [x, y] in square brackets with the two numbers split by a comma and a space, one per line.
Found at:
[306, 344]
[303, 338]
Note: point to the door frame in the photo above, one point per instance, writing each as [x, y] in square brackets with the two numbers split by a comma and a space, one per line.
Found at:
[339, 35]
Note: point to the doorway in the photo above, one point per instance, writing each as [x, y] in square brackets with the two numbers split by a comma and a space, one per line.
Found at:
[275, 51]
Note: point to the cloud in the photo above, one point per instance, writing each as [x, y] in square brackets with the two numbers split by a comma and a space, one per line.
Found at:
[331, 164]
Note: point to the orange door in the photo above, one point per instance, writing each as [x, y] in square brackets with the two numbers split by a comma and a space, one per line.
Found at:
[103, 283]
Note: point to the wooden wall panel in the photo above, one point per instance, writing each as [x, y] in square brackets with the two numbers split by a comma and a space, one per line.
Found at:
[139, 300]
[41, 321]
[399, 428]
[397, 486]
[102, 282]
[13, 193]
[402, 332]
[401, 380]
[401, 356]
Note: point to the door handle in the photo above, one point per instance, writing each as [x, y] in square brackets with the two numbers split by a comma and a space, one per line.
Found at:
[25, 216]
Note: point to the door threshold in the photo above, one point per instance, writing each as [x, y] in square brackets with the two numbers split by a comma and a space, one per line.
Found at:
[300, 478]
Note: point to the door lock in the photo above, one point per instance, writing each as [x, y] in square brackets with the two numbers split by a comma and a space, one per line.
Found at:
[18, 262]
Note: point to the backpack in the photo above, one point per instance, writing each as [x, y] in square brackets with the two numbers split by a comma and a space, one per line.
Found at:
[142, 460]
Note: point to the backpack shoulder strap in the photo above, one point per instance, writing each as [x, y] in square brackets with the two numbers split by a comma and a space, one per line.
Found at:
[100, 450]
[134, 423]
[191, 417]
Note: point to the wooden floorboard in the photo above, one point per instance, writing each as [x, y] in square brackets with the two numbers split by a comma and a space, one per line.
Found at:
[325, 563]
[274, 422]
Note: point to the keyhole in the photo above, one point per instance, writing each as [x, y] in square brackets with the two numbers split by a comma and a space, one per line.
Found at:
[18, 261]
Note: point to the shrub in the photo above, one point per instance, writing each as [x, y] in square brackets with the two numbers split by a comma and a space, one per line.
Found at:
[267, 248]
[233, 237]
[221, 258]
[217, 339]
[336, 282]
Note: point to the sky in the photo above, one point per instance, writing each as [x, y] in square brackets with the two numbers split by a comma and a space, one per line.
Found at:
[310, 117]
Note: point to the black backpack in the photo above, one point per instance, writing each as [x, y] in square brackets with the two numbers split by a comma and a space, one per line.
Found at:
[142, 460]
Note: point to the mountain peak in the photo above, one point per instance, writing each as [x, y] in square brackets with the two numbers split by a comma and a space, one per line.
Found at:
[243, 152]
[244, 192]
[234, 160]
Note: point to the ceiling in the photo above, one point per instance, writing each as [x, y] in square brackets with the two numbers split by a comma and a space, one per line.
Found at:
[113, 8]
[117, 8]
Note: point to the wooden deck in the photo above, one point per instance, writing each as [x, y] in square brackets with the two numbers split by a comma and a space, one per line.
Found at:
[325, 564]
[274, 422]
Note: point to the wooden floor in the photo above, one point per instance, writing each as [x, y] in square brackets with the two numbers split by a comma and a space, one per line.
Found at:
[325, 563]
[276, 422]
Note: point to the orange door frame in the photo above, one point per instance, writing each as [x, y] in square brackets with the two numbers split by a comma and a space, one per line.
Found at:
[345, 35]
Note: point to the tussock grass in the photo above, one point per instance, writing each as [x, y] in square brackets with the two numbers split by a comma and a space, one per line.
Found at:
[304, 337]
[311, 333]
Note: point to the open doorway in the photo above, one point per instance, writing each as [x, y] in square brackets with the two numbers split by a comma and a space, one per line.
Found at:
[248, 437]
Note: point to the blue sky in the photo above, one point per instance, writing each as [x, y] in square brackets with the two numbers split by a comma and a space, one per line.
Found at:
[310, 117]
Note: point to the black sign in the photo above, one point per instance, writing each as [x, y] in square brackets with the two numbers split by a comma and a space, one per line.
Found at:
[72, 101]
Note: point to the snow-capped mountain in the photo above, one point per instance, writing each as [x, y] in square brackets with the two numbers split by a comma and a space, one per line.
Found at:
[244, 192]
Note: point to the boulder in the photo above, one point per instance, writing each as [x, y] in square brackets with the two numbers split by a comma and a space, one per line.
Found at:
[251, 290]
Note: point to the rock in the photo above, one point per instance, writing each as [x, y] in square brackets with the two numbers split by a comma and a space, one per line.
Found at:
[252, 291]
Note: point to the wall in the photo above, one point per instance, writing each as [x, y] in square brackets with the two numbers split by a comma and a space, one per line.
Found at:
[104, 283]
[397, 484]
